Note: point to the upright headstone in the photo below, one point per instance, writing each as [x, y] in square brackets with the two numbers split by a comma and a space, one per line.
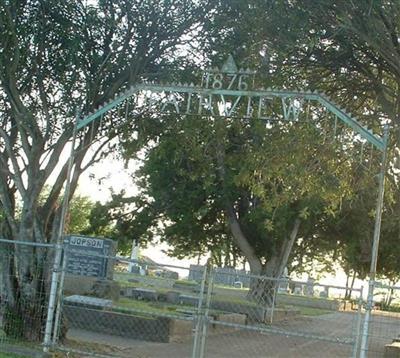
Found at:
[133, 266]
[309, 291]
[283, 286]
[196, 272]
[89, 260]
[89, 256]
[298, 289]
[238, 284]
[325, 292]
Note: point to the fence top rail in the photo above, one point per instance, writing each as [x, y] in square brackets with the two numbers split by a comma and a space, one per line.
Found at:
[156, 264]
[328, 286]
[386, 286]
[238, 274]
[284, 279]
[26, 243]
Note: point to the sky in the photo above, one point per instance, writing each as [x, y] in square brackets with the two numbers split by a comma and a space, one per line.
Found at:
[118, 178]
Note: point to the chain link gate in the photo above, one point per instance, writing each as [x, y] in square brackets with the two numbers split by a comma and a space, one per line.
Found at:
[232, 323]
[384, 328]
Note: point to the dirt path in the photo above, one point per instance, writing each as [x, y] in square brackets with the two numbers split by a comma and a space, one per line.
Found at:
[244, 343]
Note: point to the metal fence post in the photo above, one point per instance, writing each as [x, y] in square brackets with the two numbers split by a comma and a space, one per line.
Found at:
[52, 298]
[375, 246]
[205, 317]
[359, 321]
[59, 247]
[274, 286]
[199, 322]
[59, 298]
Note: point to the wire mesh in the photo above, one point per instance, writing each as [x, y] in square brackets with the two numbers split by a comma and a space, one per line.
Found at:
[146, 309]
[25, 269]
[384, 326]
[141, 309]
[266, 317]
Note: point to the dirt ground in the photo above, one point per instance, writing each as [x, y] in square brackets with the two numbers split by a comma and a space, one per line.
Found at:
[325, 335]
[243, 343]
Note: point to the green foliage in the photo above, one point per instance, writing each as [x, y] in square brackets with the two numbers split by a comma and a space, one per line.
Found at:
[79, 212]
[342, 50]
[272, 174]
[58, 58]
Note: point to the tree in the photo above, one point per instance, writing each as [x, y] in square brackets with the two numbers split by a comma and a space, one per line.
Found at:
[351, 52]
[348, 50]
[79, 215]
[331, 53]
[57, 58]
[214, 181]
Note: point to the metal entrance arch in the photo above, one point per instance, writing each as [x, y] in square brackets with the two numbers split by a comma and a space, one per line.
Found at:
[234, 88]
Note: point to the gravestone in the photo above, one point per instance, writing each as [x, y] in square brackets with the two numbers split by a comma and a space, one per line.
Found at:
[135, 270]
[325, 292]
[196, 273]
[283, 286]
[298, 289]
[238, 284]
[86, 301]
[309, 289]
[89, 260]
[86, 256]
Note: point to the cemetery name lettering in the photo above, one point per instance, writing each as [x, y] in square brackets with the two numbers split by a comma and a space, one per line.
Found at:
[224, 95]
[86, 242]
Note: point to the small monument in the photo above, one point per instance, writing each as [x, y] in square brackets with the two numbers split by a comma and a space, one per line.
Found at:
[133, 266]
[325, 292]
[284, 282]
[89, 260]
[309, 289]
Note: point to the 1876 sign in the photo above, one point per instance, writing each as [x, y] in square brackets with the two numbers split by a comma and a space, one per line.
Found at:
[224, 92]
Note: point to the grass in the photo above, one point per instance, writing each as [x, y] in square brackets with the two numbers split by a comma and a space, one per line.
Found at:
[307, 298]
[310, 311]
[125, 276]
[235, 300]
[227, 297]
[127, 305]
[226, 287]
[188, 283]
[144, 305]
[122, 280]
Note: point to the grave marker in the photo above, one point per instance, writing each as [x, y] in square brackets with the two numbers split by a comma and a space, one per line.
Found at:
[88, 256]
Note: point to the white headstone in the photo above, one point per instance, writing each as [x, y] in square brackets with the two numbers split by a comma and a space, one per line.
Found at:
[134, 257]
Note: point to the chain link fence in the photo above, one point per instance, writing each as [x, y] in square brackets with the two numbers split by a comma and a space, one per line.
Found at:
[384, 326]
[154, 312]
[108, 306]
[266, 317]
[25, 271]
[137, 311]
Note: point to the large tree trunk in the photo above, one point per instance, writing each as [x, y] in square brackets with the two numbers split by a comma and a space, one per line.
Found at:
[265, 287]
[24, 306]
[262, 287]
